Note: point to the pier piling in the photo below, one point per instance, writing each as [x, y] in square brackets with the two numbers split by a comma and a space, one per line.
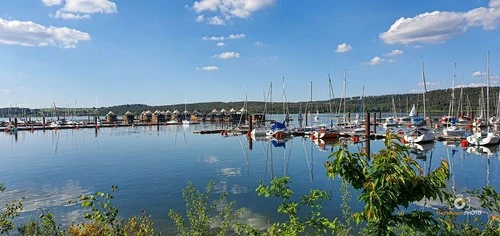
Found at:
[367, 125]
[375, 123]
[250, 126]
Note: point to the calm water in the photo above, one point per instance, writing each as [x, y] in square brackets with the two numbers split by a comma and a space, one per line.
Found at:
[151, 167]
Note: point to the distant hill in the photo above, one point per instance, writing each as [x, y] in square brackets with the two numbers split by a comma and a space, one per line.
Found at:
[438, 101]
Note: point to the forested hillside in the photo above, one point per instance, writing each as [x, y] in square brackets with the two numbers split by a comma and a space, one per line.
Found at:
[437, 101]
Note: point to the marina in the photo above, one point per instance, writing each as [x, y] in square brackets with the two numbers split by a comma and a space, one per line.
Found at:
[151, 164]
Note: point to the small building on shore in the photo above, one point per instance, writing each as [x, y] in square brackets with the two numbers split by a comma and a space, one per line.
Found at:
[158, 117]
[146, 116]
[111, 117]
[128, 118]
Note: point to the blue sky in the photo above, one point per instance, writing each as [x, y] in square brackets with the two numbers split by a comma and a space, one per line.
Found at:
[112, 52]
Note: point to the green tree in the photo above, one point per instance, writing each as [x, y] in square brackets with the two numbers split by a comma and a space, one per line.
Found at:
[202, 213]
[388, 180]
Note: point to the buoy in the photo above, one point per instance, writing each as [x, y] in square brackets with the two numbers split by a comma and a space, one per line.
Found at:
[355, 138]
[464, 143]
[400, 132]
[469, 126]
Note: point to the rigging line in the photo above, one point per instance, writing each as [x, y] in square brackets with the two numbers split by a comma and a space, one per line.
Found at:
[245, 154]
[266, 151]
[453, 186]
[287, 159]
[307, 160]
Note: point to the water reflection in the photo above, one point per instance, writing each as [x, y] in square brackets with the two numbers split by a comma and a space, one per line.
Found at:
[151, 169]
[421, 150]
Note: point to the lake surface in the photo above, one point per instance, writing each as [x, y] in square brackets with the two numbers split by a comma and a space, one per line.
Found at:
[151, 166]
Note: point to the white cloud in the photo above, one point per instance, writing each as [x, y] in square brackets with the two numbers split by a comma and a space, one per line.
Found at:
[215, 20]
[222, 38]
[258, 43]
[475, 85]
[437, 26]
[210, 68]
[375, 61]
[228, 9]
[200, 18]
[220, 44]
[227, 55]
[69, 16]
[236, 36]
[90, 6]
[81, 9]
[213, 38]
[478, 74]
[429, 84]
[343, 47]
[394, 52]
[494, 3]
[51, 2]
[28, 33]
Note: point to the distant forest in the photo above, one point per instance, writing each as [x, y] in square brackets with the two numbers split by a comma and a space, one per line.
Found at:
[437, 101]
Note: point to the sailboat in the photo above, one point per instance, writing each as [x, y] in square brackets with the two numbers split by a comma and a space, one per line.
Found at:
[332, 131]
[260, 129]
[279, 130]
[359, 127]
[488, 138]
[391, 121]
[186, 120]
[451, 129]
[420, 134]
[316, 117]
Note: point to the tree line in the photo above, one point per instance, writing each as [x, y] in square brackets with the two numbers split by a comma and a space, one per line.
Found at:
[437, 101]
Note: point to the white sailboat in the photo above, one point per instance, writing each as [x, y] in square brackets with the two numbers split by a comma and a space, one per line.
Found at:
[330, 130]
[391, 121]
[488, 138]
[420, 133]
[451, 130]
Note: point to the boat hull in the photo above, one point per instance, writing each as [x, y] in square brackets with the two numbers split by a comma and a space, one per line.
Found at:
[481, 139]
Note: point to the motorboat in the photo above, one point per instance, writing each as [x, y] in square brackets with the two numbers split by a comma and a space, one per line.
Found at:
[419, 134]
[482, 139]
[453, 131]
[390, 122]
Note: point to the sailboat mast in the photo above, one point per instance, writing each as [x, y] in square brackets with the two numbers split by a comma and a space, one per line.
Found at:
[271, 97]
[311, 99]
[460, 104]
[330, 94]
[488, 90]
[425, 86]
[453, 89]
[362, 102]
[345, 94]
